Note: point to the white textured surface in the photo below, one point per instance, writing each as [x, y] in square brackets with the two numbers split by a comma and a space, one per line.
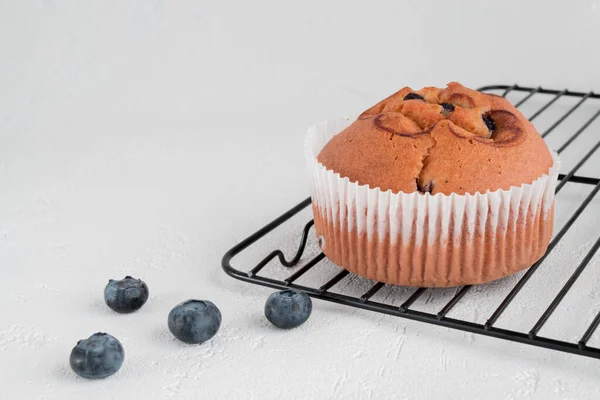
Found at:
[146, 137]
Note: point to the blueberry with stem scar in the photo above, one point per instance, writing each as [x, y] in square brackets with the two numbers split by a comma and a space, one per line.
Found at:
[97, 357]
[194, 321]
[126, 295]
[288, 308]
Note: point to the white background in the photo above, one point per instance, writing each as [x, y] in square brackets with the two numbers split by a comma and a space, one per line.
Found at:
[147, 137]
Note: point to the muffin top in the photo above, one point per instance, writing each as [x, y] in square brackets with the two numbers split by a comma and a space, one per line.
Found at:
[452, 140]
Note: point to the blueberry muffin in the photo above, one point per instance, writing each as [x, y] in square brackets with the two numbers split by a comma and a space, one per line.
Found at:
[435, 187]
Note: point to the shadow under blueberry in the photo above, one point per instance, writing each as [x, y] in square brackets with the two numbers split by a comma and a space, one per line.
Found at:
[257, 321]
[98, 306]
[165, 338]
[63, 372]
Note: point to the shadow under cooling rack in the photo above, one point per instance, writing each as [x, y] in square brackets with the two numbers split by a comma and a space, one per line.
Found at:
[557, 112]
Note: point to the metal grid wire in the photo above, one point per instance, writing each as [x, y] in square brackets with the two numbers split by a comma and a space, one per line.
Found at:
[489, 328]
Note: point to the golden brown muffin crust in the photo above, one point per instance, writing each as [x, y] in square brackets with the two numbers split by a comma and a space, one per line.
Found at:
[452, 140]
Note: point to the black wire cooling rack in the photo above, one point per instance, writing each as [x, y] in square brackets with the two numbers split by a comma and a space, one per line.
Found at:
[488, 328]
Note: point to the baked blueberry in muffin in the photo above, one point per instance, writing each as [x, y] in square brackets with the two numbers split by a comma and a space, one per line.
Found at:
[433, 187]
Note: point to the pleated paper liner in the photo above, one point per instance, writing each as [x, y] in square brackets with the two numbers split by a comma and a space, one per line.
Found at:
[416, 239]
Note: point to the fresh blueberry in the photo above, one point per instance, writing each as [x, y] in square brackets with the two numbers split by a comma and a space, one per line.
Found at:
[447, 107]
[127, 295]
[489, 122]
[288, 308]
[194, 321]
[97, 357]
[413, 96]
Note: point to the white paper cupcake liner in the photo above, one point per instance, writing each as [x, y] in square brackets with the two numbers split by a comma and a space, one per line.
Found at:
[422, 239]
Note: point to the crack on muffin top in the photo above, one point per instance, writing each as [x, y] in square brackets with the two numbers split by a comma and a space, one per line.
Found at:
[472, 115]
[430, 141]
